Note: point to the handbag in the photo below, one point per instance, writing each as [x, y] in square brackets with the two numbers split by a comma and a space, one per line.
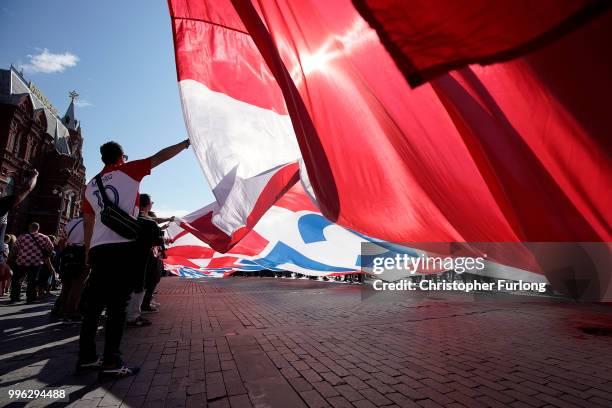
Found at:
[150, 233]
[115, 218]
[72, 261]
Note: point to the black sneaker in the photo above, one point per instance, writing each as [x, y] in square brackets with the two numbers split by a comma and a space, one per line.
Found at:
[85, 367]
[118, 370]
[149, 309]
[139, 322]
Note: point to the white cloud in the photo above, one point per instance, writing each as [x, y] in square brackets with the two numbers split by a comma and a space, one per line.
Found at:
[48, 62]
[82, 103]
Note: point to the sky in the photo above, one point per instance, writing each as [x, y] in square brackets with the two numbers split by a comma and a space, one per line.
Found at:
[119, 57]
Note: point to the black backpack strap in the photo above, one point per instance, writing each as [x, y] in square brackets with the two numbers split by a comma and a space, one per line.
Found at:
[42, 250]
[105, 199]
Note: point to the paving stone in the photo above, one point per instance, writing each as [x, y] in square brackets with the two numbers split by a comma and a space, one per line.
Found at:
[339, 402]
[290, 372]
[234, 387]
[273, 391]
[240, 401]
[349, 392]
[313, 399]
[325, 389]
[364, 404]
[219, 403]
[300, 384]
[401, 400]
[215, 390]
[311, 376]
[375, 397]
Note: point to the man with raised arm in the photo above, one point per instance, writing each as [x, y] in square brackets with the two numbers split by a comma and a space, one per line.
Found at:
[114, 260]
[11, 201]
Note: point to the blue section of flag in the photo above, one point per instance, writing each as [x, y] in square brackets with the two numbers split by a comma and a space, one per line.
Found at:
[311, 227]
[284, 254]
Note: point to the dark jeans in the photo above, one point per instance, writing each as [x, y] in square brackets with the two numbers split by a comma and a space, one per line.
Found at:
[152, 278]
[31, 275]
[109, 285]
[148, 297]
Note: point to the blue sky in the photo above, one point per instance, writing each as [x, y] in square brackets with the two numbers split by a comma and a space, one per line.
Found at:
[119, 57]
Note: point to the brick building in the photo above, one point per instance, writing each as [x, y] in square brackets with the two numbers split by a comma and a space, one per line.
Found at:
[33, 135]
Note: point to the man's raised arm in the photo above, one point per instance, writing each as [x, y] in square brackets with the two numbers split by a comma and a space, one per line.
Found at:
[168, 153]
[31, 183]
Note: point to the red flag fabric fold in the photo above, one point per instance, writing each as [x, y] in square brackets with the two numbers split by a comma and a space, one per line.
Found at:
[429, 38]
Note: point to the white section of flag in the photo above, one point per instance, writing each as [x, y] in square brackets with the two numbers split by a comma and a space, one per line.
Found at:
[239, 147]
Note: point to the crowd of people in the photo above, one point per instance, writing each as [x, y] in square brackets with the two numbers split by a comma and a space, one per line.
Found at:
[102, 266]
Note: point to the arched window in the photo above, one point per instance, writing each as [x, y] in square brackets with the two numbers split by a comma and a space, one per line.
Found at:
[17, 144]
[33, 151]
[69, 204]
[10, 141]
[28, 150]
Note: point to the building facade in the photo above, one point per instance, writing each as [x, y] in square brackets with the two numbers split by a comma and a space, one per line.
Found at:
[34, 136]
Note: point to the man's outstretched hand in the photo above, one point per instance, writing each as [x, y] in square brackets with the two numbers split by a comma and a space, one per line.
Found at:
[169, 152]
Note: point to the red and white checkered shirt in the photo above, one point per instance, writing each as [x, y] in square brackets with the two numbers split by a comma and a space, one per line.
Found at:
[29, 253]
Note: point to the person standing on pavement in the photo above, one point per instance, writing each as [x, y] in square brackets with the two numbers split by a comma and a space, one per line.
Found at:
[72, 270]
[6, 273]
[9, 260]
[114, 260]
[155, 267]
[46, 274]
[143, 293]
[33, 253]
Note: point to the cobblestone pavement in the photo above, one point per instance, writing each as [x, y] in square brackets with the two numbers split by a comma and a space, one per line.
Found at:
[265, 342]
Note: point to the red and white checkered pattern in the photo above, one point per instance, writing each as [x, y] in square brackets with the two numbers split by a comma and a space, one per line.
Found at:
[29, 253]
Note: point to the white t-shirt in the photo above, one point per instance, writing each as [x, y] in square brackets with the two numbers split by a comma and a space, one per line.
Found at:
[121, 183]
[75, 232]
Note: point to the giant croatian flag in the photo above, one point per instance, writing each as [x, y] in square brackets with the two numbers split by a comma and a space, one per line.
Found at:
[294, 236]
[514, 151]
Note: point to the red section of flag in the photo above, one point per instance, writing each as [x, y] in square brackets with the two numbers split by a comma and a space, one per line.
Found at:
[489, 155]
[251, 245]
[428, 38]
[190, 251]
[213, 48]
[180, 260]
[296, 200]
[222, 262]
